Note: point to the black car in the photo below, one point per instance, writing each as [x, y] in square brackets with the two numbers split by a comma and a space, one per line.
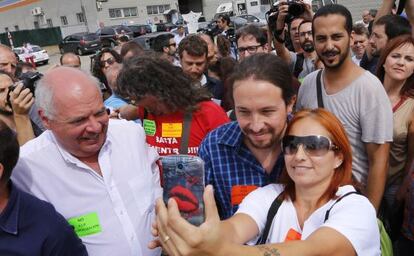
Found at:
[110, 34]
[80, 43]
[165, 27]
[140, 29]
[146, 40]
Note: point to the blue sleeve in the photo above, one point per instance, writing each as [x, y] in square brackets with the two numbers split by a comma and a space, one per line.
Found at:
[62, 239]
[203, 153]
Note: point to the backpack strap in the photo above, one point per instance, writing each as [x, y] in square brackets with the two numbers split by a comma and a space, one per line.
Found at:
[319, 88]
[270, 215]
[145, 114]
[300, 58]
[337, 200]
[185, 136]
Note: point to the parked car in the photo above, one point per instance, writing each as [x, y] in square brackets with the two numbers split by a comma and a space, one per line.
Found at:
[255, 19]
[110, 34]
[238, 22]
[40, 55]
[80, 43]
[165, 27]
[140, 29]
[146, 40]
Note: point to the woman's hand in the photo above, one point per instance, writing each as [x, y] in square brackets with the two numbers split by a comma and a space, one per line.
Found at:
[178, 237]
[21, 100]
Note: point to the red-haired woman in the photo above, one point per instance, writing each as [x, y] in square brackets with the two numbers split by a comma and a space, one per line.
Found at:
[396, 72]
[319, 212]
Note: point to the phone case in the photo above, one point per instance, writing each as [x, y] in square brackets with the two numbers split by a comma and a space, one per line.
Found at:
[183, 180]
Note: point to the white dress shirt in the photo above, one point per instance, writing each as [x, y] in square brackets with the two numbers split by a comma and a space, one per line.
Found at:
[122, 198]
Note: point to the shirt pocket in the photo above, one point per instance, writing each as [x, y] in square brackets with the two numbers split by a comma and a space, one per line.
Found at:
[143, 193]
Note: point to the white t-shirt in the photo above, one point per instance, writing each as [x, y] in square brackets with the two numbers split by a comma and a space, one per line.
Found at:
[353, 216]
[120, 202]
[178, 38]
[356, 60]
[362, 107]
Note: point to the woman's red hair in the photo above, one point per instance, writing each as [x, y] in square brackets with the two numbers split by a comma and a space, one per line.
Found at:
[343, 174]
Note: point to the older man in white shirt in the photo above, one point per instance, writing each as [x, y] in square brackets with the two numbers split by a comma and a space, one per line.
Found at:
[99, 174]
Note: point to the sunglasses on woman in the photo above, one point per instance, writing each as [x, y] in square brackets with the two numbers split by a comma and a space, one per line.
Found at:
[314, 145]
[110, 61]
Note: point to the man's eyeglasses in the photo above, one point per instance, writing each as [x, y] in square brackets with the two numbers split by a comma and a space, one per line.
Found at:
[250, 49]
[314, 145]
[110, 61]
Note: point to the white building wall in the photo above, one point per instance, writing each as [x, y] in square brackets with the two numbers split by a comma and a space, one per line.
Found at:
[54, 9]
[142, 18]
[358, 6]
[23, 18]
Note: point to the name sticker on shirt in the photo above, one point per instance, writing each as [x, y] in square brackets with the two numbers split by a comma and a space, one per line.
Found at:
[172, 130]
[149, 127]
[85, 225]
[239, 192]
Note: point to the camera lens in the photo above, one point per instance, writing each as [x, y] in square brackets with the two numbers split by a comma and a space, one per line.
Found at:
[180, 166]
[296, 9]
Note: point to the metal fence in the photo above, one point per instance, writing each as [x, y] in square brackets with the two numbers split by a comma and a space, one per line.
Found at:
[41, 37]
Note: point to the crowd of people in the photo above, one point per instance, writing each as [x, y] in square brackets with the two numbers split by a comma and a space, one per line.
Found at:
[305, 128]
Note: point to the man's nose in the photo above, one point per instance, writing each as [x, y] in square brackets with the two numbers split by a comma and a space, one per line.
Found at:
[256, 123]
[94, 125]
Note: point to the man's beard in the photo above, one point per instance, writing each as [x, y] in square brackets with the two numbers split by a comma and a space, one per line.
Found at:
[6, 112]
[342, 58]
[376, 52]
[261, 144]
[307, 46]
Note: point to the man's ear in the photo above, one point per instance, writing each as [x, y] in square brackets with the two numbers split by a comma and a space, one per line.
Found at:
[290, 105]
[165, 49]
[45, 120]
[351, 38]
[266, 47]
[1, 171]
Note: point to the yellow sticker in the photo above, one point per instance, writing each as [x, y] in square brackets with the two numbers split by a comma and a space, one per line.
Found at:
[172, 130]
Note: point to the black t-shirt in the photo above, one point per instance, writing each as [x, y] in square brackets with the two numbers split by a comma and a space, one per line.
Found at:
[370, 65]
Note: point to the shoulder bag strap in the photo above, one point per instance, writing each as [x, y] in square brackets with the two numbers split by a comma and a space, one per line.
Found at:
[339, 199]
[270, 215]
[300, 58]
[145, 114]
[319, 89]
[185, 136]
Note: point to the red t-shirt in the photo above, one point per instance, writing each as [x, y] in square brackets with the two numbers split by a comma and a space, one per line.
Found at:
[164, 132]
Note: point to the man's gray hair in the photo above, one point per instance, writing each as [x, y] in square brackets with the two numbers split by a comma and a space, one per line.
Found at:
[44, 94]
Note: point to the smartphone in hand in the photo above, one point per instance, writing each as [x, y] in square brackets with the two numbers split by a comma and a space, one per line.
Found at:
[183, 180]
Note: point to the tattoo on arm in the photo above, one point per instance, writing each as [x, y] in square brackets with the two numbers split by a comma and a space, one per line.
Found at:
[268, 251]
